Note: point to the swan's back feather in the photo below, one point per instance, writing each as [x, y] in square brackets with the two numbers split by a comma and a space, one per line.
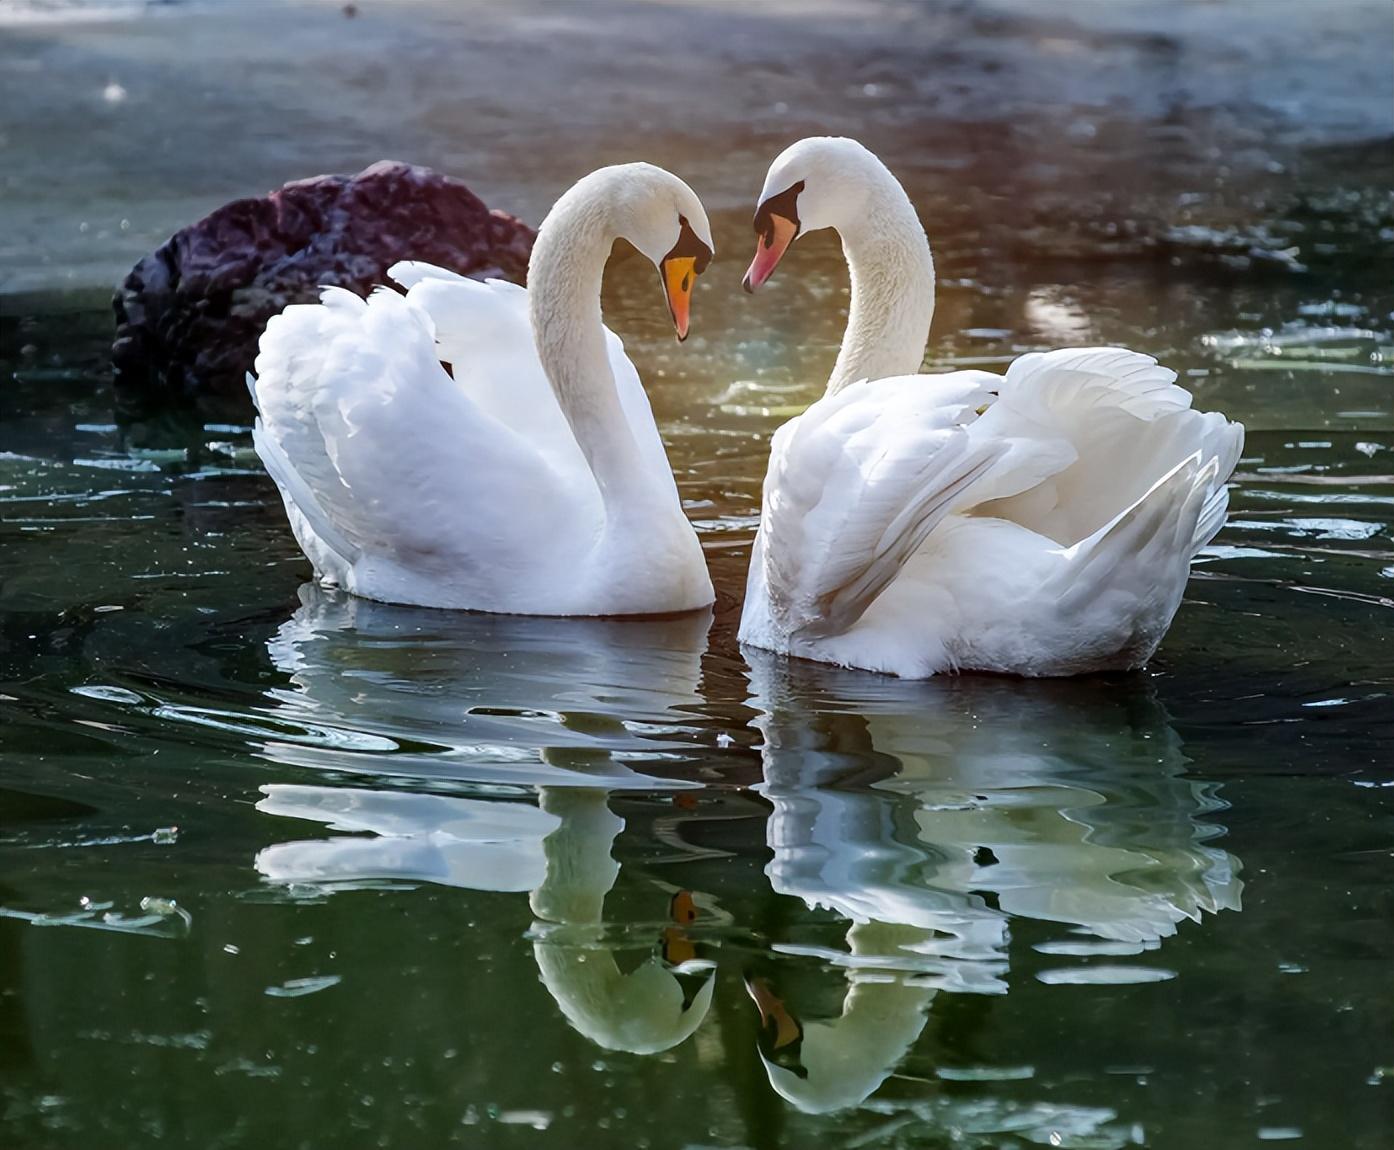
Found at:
[1042, 522]
[856, 484]
[383, 457]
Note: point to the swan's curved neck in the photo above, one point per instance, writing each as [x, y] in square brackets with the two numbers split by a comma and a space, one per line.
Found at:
[564, 278]
[892, 287]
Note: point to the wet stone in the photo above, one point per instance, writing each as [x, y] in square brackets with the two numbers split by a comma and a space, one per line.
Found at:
[189, 315]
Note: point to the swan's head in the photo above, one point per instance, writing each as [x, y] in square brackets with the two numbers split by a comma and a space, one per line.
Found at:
[820, 182]
[662, 217]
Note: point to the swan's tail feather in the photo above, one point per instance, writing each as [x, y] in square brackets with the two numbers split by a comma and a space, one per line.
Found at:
[290, 390]
[1212, 517]
[1127, 422]
[1225, 443]
[334, 554]
[1077, 379]
[408, 273]
[1139, 546]
[338, 299]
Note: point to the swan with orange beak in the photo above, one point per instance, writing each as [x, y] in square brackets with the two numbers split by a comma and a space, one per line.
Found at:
[486, 447]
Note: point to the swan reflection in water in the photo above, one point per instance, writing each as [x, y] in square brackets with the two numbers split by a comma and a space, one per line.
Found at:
[933, 814]
[485, 699]
[559, 852]
[926, 817]
[511, 706]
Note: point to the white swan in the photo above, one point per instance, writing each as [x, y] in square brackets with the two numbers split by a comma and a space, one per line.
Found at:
[533, 481]
[1037, 523]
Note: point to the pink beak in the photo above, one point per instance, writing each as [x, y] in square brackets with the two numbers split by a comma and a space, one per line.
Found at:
[768, 252]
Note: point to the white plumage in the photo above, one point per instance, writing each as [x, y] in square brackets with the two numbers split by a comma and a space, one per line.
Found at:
[534, 480]
[1037, 523]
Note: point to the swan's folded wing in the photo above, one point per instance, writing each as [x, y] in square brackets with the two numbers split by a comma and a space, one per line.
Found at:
[377, 447]
[1126, 422]
[484, 331]
[854, 486]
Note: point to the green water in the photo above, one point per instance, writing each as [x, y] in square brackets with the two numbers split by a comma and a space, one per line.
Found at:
[280, 868]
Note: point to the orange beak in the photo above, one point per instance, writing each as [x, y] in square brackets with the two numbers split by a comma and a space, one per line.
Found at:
[677, 947]
[679, 274]
[769, 250]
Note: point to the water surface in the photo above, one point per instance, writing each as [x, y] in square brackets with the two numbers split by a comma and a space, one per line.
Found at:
[282, 868]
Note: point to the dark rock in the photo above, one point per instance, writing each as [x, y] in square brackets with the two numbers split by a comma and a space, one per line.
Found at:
[189, 315]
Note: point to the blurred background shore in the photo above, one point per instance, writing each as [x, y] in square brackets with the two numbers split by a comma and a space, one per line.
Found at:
[1082, 127]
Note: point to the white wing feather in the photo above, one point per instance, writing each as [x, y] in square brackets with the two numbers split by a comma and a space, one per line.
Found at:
[1082, 478]
[855, 485]
[387, 459]
[1126, 422]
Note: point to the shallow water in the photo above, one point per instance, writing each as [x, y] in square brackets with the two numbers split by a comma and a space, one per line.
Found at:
[283, 868]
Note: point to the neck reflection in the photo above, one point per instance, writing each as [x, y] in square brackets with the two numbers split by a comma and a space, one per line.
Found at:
[938, 816]
[504, 710]
[919, 825]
